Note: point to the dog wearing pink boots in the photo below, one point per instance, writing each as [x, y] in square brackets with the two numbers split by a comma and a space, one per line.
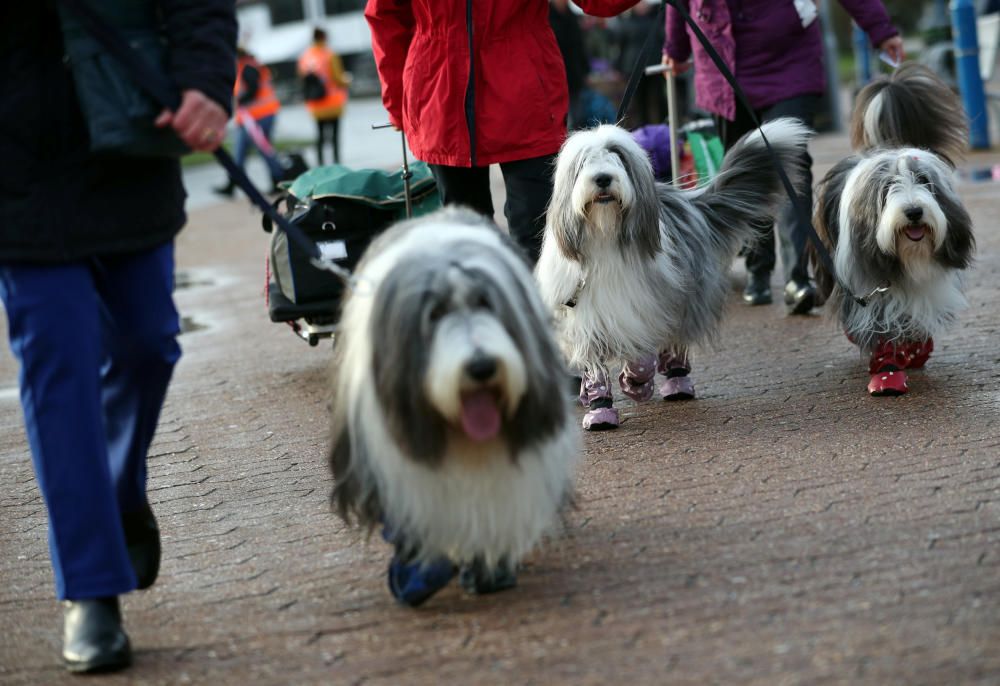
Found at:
[636, 272]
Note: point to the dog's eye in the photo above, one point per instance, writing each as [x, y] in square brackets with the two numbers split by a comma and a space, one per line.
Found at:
[482, 302]
[921, 178]
[439, 310]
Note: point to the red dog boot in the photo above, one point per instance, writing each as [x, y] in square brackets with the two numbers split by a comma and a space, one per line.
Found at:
[886, 368]
[918, 353]
[888, 383]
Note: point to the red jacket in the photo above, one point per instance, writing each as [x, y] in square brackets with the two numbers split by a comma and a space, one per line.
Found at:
[517, 99]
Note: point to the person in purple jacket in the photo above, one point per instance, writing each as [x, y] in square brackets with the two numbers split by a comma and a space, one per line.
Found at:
[775, 50]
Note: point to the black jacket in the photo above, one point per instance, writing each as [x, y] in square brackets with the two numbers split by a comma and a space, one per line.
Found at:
[58, 202]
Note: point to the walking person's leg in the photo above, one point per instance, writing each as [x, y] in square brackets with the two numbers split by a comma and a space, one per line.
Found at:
[335, 136]
[274, 167]
[800, 294]
[529, 189]
[54, 324]
[241, 144]
[468, 186]
[140, 326]
[760, 256]
[320, 130]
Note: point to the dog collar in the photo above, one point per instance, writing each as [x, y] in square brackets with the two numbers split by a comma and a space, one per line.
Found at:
[878, 290]
[576, 294]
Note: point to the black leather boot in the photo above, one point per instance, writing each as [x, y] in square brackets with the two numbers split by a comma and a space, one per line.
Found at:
[93, 637]
[142, 536]
[758, 289]
[800, 297]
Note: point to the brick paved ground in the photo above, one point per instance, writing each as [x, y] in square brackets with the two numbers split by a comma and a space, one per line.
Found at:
[782, 529]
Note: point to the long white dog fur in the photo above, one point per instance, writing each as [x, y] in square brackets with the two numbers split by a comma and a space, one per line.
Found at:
[631, 266]
[460, 460]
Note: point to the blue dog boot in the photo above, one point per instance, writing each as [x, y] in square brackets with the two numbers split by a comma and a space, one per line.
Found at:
[478, 578]
[411, 583]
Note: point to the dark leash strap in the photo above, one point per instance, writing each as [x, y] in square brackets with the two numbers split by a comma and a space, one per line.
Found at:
[166, 94]
[802, 213]
[640, 63]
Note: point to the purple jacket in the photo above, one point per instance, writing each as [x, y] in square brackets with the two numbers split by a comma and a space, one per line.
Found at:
[765, 46]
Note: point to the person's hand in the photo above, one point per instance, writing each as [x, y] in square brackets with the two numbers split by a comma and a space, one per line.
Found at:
[200, 121]
[675, 66]
[893, 47]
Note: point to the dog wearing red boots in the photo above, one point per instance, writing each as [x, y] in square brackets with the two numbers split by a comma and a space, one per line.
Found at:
[895, 225]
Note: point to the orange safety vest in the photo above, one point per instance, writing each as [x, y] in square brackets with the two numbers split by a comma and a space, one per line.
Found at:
[265, 103]
[319, 60]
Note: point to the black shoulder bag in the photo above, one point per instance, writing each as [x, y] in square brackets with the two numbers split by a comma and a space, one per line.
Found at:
[119, 112]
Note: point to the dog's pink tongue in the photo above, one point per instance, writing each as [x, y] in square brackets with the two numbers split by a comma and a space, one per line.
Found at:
[915, 233]
[480, 415]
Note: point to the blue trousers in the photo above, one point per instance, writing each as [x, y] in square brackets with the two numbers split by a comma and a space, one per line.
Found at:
[244, 141]
[96, 341]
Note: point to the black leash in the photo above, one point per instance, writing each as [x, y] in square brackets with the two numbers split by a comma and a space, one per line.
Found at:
[165, 93]
[640, 64]
[802, 213]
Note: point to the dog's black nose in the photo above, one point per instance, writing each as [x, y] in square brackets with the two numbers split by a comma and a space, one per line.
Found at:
[481, 368]
[603, 180]
[914, 213]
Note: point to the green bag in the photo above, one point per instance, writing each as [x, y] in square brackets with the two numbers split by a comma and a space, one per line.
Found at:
[118, 111]
[707, 152]
[341, 210]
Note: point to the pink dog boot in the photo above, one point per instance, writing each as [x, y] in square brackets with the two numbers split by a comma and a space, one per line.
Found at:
[888, 384]
[601, 419]
[594, 386]
[595, 394]
[677, 388]
[636, 379]
[676, 367]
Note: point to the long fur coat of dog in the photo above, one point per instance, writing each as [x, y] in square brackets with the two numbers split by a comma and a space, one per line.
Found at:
[893, 220]
[450, 426]
[631, 266]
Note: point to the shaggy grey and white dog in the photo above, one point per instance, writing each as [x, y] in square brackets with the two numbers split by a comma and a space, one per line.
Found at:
[633, 267]
[450, 427]
[894, 222]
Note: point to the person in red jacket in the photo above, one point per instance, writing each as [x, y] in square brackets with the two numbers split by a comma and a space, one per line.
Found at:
[475, 84]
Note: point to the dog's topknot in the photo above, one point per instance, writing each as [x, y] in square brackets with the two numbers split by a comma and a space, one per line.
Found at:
[913, 108]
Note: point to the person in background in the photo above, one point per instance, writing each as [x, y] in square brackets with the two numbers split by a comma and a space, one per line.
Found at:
[255, 100]
[775, 50]
[472, 86]
[566, 26]
[326, 91]
[86, 278]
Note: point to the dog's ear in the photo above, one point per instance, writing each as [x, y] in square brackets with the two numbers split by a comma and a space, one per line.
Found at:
[641, 223]
[354, 493]
[563, 221]
[400, 362]
[826, 219]
[959, 243]
[542, 410]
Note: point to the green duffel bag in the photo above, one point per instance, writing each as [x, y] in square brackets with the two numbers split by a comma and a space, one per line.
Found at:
[341, 210]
